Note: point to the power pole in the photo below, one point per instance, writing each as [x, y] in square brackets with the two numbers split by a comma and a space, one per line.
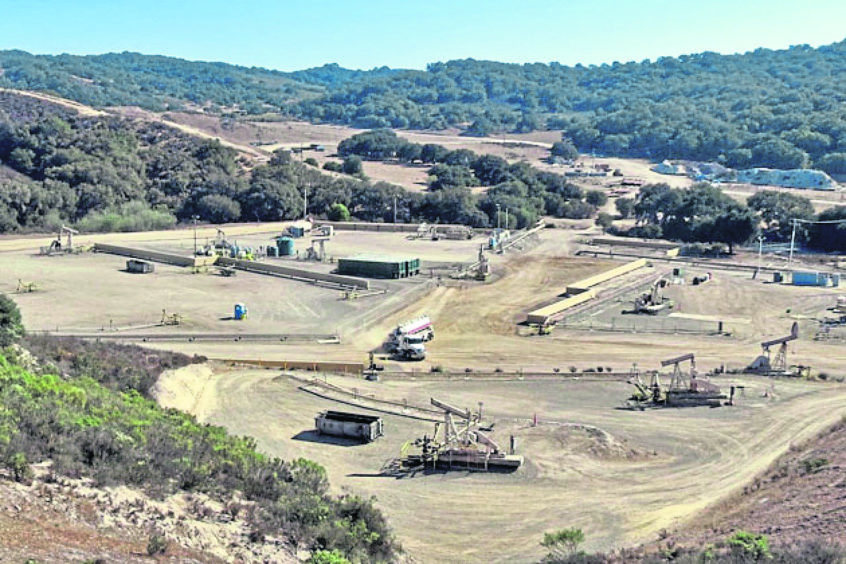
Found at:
[792, 241]
[760, 249]
[395, 208]
[195, 218]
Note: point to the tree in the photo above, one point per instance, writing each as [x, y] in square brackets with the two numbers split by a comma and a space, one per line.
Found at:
[352, 165]
[596, 198]
[562, 543]
[732, 227]
[339, 212]
[11, 326]
[777, 209]
[482, 127]
[217, 208]
[604, 220]
[655, 203]
[625, 207]
[564, 149]
[450, 176]
[830, 236]
[432, 153]
[833, 163]
[490, 169]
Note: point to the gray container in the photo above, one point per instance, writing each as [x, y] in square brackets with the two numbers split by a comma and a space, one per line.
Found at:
[365, 428]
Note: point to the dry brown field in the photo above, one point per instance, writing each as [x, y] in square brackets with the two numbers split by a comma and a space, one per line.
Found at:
[621, 476]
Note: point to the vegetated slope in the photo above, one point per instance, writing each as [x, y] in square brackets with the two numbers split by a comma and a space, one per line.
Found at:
[93, 422]
[802, 496]
[152, 82]
[783, 108]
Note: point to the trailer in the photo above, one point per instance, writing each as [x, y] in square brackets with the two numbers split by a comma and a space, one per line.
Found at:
[366, 428]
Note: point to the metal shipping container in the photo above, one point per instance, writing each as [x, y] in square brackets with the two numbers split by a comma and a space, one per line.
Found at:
[801, 278]
[374, 266]
[351, 425]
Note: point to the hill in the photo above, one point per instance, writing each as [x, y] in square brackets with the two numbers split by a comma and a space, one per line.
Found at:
[118, 465]
[776, 108]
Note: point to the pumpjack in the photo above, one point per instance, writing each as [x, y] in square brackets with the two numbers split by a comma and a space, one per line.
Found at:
[457, 443]
[686, 388]
[774, 363]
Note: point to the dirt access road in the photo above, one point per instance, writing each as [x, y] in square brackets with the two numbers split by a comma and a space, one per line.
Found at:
[621, 476]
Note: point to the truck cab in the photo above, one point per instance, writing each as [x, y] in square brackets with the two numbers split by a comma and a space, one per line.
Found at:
[411, 347]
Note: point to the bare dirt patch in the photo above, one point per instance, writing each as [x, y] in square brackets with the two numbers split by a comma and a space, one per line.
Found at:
[621, 476]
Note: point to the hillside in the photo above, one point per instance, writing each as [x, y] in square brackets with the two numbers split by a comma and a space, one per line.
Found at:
[782, 109]
[800, 497]
[90, 445]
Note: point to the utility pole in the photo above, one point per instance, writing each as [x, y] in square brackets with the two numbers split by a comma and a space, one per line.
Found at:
[792, 241]
[195, 218]
[497, 217]
[305, 202]
[506, 219]
[395, 208]
[760, 249]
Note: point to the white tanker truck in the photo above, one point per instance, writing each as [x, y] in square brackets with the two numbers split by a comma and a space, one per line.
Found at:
[406, 341]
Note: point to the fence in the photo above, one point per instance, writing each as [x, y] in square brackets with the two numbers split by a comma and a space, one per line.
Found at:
[652, 324]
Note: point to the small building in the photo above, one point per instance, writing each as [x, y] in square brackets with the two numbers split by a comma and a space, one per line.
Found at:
[379, 266]
[139, 266]
[365, 428]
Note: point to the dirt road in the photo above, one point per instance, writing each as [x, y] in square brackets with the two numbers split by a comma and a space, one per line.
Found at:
[621, 476]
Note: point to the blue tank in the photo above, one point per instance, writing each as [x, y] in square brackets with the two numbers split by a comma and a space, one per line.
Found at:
[286, 246]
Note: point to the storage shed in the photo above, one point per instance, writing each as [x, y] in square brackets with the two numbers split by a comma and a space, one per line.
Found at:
[379, 266]
[366, 428]
[139, 266]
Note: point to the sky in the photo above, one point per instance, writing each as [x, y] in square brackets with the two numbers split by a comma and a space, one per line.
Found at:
[287, 35]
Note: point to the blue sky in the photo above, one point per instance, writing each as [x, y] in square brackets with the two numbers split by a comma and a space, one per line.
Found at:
[288, 35]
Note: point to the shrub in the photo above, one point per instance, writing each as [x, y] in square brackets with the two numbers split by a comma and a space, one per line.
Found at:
[156, 544]
[814, 465]
[11, 326]
[750, 545]
[327, 557]
[132, 216]
[563, 542]
[339, 212]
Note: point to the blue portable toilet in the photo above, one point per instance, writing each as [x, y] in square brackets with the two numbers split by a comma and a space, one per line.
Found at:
[240, 312]
[286, 246]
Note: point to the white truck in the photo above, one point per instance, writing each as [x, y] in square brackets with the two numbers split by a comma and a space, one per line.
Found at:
[406, 341]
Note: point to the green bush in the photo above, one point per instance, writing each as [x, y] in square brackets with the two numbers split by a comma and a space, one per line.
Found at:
[132, 216]
[813, 465]
[11, 327]
[750, 545]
